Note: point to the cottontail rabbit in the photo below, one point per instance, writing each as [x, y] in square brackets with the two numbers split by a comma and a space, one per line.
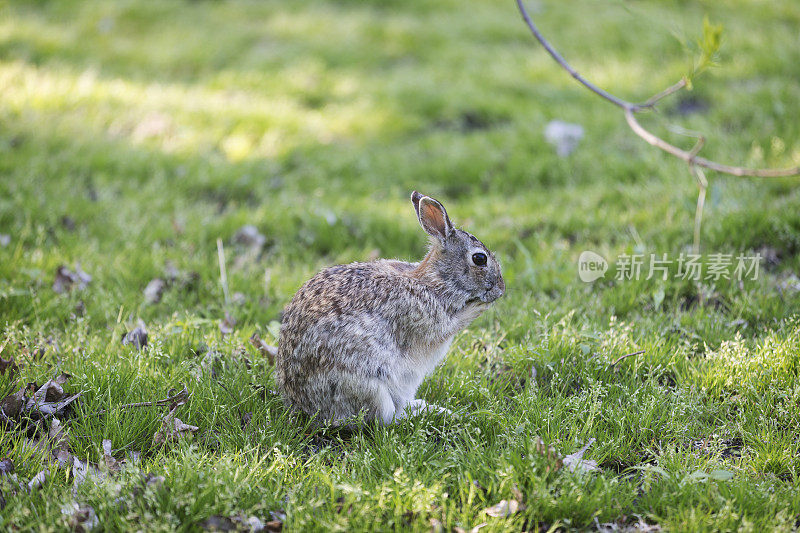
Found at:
[361, 337]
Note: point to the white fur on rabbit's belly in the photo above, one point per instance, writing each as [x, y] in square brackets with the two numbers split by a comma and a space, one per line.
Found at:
[410, 370]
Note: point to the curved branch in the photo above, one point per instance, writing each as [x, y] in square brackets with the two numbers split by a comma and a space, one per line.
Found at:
[624, 104]
[692, 158]
[631, 108]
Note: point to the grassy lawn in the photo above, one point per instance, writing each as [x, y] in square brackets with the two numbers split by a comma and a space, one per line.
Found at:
[136, 134]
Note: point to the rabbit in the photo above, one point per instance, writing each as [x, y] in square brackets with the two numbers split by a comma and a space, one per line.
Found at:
[358, 339]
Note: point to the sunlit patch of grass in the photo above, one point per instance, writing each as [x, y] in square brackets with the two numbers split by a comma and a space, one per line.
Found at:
[180, 119]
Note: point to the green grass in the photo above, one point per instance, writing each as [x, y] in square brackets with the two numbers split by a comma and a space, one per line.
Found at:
[159, 127]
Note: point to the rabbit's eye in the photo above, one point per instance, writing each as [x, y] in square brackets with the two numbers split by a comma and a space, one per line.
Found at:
[479, 259]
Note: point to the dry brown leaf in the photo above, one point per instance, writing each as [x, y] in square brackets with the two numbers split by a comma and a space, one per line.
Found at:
[112, 464]
[65, 279]
[81, 518]
[249, 236]
[136, 337]
[8, 366]
[172, 429]
[226, 325]
[273, 526]
[52, 391]
[80, 470]
[59, 440]
[37, 481]
[517, 493]
[13, 403]
[6, 466]
[576, 463]
[154, 291]
[504, 509]
[267, 350]
[218, 523]
[63, 457]
[50, 408]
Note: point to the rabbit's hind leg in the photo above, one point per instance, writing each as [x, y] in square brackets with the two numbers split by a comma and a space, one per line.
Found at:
[352, 394]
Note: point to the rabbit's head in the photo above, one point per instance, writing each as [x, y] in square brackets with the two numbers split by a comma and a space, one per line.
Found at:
[464, 269]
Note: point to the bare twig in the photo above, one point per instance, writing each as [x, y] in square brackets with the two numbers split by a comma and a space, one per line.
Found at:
[624, 104]
[174, 399]
[630, 109]
[615, 363]
[692, 158]
[666, 92]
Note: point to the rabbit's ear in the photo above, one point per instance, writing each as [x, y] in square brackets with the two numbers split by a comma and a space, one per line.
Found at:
[432, 216]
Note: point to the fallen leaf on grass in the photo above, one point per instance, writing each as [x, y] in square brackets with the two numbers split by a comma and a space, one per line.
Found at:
[154, 291]
[273, 526]
[52, 391]
[54, 408]
[65, 279]
[249, 236]
[136, 337]
[112, 464]
[151, 480]
[573, 462]
[576, 463]
[80, 470]
[49, 408]
[267, 350]
[37, 481]
[238, 523]
[8, 366]
[218, 523]
[80, 517]
[226, 324]
[12, 404]
[57, 436]
[47, 400]
[6, 466]
[172, 429]
[504, 509]
[473, 530]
